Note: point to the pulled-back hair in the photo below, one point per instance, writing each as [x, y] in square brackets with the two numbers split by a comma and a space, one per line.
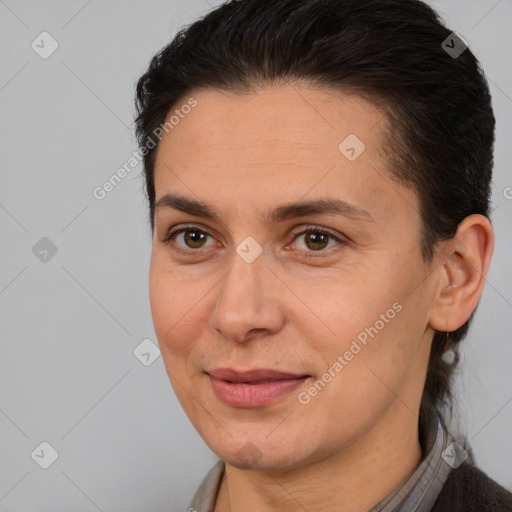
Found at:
[437, 106]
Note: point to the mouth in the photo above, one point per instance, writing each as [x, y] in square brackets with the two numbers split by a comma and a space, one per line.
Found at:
[253, 388]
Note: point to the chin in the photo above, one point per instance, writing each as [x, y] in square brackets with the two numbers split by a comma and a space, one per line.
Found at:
[261, 454]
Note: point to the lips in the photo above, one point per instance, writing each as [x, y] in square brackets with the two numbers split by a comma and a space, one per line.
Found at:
[253, 388]
[252, 376]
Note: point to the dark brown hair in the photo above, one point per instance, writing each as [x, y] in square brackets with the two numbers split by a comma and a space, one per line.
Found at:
[437, 106]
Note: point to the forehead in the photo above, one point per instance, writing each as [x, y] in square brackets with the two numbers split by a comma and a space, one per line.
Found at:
[282, 117]
[281, 143]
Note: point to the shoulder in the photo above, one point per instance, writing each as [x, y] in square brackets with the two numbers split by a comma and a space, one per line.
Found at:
[468, 489]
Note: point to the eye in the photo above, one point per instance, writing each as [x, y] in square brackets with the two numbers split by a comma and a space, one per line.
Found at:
[316, 239]
[191, 237]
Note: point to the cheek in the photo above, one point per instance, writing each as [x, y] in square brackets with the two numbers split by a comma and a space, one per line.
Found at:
[347, 306]
[376, 327]
[178, 307]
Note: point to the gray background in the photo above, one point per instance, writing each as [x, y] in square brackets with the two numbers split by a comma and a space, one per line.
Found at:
[70, 324]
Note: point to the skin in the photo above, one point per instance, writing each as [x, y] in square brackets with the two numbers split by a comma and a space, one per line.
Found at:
[356, 440]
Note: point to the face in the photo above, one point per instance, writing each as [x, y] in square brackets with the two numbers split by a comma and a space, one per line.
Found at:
[336, 299]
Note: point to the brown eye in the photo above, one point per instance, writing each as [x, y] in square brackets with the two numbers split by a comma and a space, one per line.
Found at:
[186, 239]
[194, 238]
[316, 240]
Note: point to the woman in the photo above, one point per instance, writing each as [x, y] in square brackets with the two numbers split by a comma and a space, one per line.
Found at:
[318, 175]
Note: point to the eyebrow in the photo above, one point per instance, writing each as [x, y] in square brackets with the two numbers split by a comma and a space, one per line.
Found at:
[323, 206]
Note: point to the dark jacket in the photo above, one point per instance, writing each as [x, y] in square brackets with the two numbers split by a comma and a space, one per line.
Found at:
[468, 489]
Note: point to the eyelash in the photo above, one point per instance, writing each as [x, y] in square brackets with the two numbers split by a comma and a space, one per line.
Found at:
[171, 235]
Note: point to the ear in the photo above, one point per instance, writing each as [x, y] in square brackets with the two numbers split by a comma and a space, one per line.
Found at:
[462, 273]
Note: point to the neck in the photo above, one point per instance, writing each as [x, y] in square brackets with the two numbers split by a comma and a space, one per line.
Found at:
[353, 480]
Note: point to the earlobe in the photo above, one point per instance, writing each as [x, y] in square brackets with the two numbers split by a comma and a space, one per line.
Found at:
[463, 273]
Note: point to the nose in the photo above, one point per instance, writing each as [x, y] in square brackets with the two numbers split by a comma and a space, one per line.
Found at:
[248, 301]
